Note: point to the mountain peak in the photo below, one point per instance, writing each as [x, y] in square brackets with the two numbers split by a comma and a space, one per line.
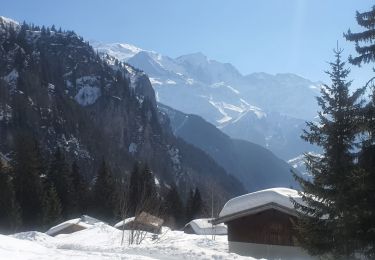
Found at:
[122, 51]
[196, 58]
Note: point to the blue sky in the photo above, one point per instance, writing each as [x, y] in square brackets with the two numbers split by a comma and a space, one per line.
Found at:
[254, 35]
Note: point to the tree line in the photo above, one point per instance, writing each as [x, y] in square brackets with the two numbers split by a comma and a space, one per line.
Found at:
[337, 212]
[37, 193]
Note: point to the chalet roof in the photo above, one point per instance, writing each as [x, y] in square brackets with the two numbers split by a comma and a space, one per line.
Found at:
[149, 219]
[124, 222]
[143, 218]
[251, 203]
[84, 221]
[204, 226]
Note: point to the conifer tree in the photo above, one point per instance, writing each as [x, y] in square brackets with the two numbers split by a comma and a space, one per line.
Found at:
[59, 177]
[142, 191]
[28, 169]
[189, 206]
[365, 48]
[9, 209]
[366, 52]
[51, 208]
[134, 189]
[194, 205]
[327, 220]
[79, 191]
[197, 205]
[174, 207]
[104, 193]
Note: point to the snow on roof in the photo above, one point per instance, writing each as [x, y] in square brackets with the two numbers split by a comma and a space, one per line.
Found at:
[123, 222]
[202, 226]
[84, 221]
[280, 196]
[89, 220]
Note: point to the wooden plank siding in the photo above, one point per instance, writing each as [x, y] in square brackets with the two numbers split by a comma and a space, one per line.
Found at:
[267, 227]
[69, 229]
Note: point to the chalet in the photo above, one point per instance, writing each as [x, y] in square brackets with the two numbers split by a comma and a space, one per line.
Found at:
[73, 225]
[144, 221]
[261, 224]
[204, 226]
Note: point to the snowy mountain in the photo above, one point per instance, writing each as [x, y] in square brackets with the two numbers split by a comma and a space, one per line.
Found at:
[269, 110]
[250, 163]
[57, 90]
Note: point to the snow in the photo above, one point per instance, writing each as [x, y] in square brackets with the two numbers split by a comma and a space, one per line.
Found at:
[280, 196]
[133, 148]
[61, 226]
[123, 222]
[5, 114]
[8, 22]
[88, 90]
[157, 182]
[87, 95]
[170, 82]
[202, 226]
[122, 51]
[155, 81]
[51, 88]
[220, 108]
[190, 81]
[174, 154]
[104, 242]
[233, 89]
[11, 78]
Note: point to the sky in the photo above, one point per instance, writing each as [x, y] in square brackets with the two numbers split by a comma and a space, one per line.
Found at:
[273, 36]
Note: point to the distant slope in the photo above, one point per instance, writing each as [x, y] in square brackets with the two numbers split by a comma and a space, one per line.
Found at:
[55, 88]
[269, 110]
[255, 166]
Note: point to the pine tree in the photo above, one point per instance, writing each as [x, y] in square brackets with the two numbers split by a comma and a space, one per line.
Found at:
[79, 191]
[327, 220]
[189, 206]
[134, 189]
[366, 187]
[194, 205]
[51, 208]
[366, 53]
[104, 193]
[197, 205]
[10, 218]
[142, 191]
[27, 169]
[174, 207]
[59, 177]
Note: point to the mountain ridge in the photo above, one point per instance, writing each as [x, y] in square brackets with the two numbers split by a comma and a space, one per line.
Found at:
[194, 84]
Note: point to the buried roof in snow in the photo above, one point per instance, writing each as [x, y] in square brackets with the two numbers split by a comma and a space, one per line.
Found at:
[203, 226]
[251, 203]
[144, 221]
[124, 222]
[79, 223]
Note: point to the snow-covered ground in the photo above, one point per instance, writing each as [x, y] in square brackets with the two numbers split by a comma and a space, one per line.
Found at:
[104, 242]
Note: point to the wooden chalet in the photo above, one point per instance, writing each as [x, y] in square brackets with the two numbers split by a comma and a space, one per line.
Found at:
[261, 224]
[144, 221]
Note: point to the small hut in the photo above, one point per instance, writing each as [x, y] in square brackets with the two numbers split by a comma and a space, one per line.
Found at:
[73, 225]
[144, 222]
[203, 226]
[261, 224]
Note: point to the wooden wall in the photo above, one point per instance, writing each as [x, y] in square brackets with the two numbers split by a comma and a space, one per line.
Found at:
[70, 229]
[267, 227]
